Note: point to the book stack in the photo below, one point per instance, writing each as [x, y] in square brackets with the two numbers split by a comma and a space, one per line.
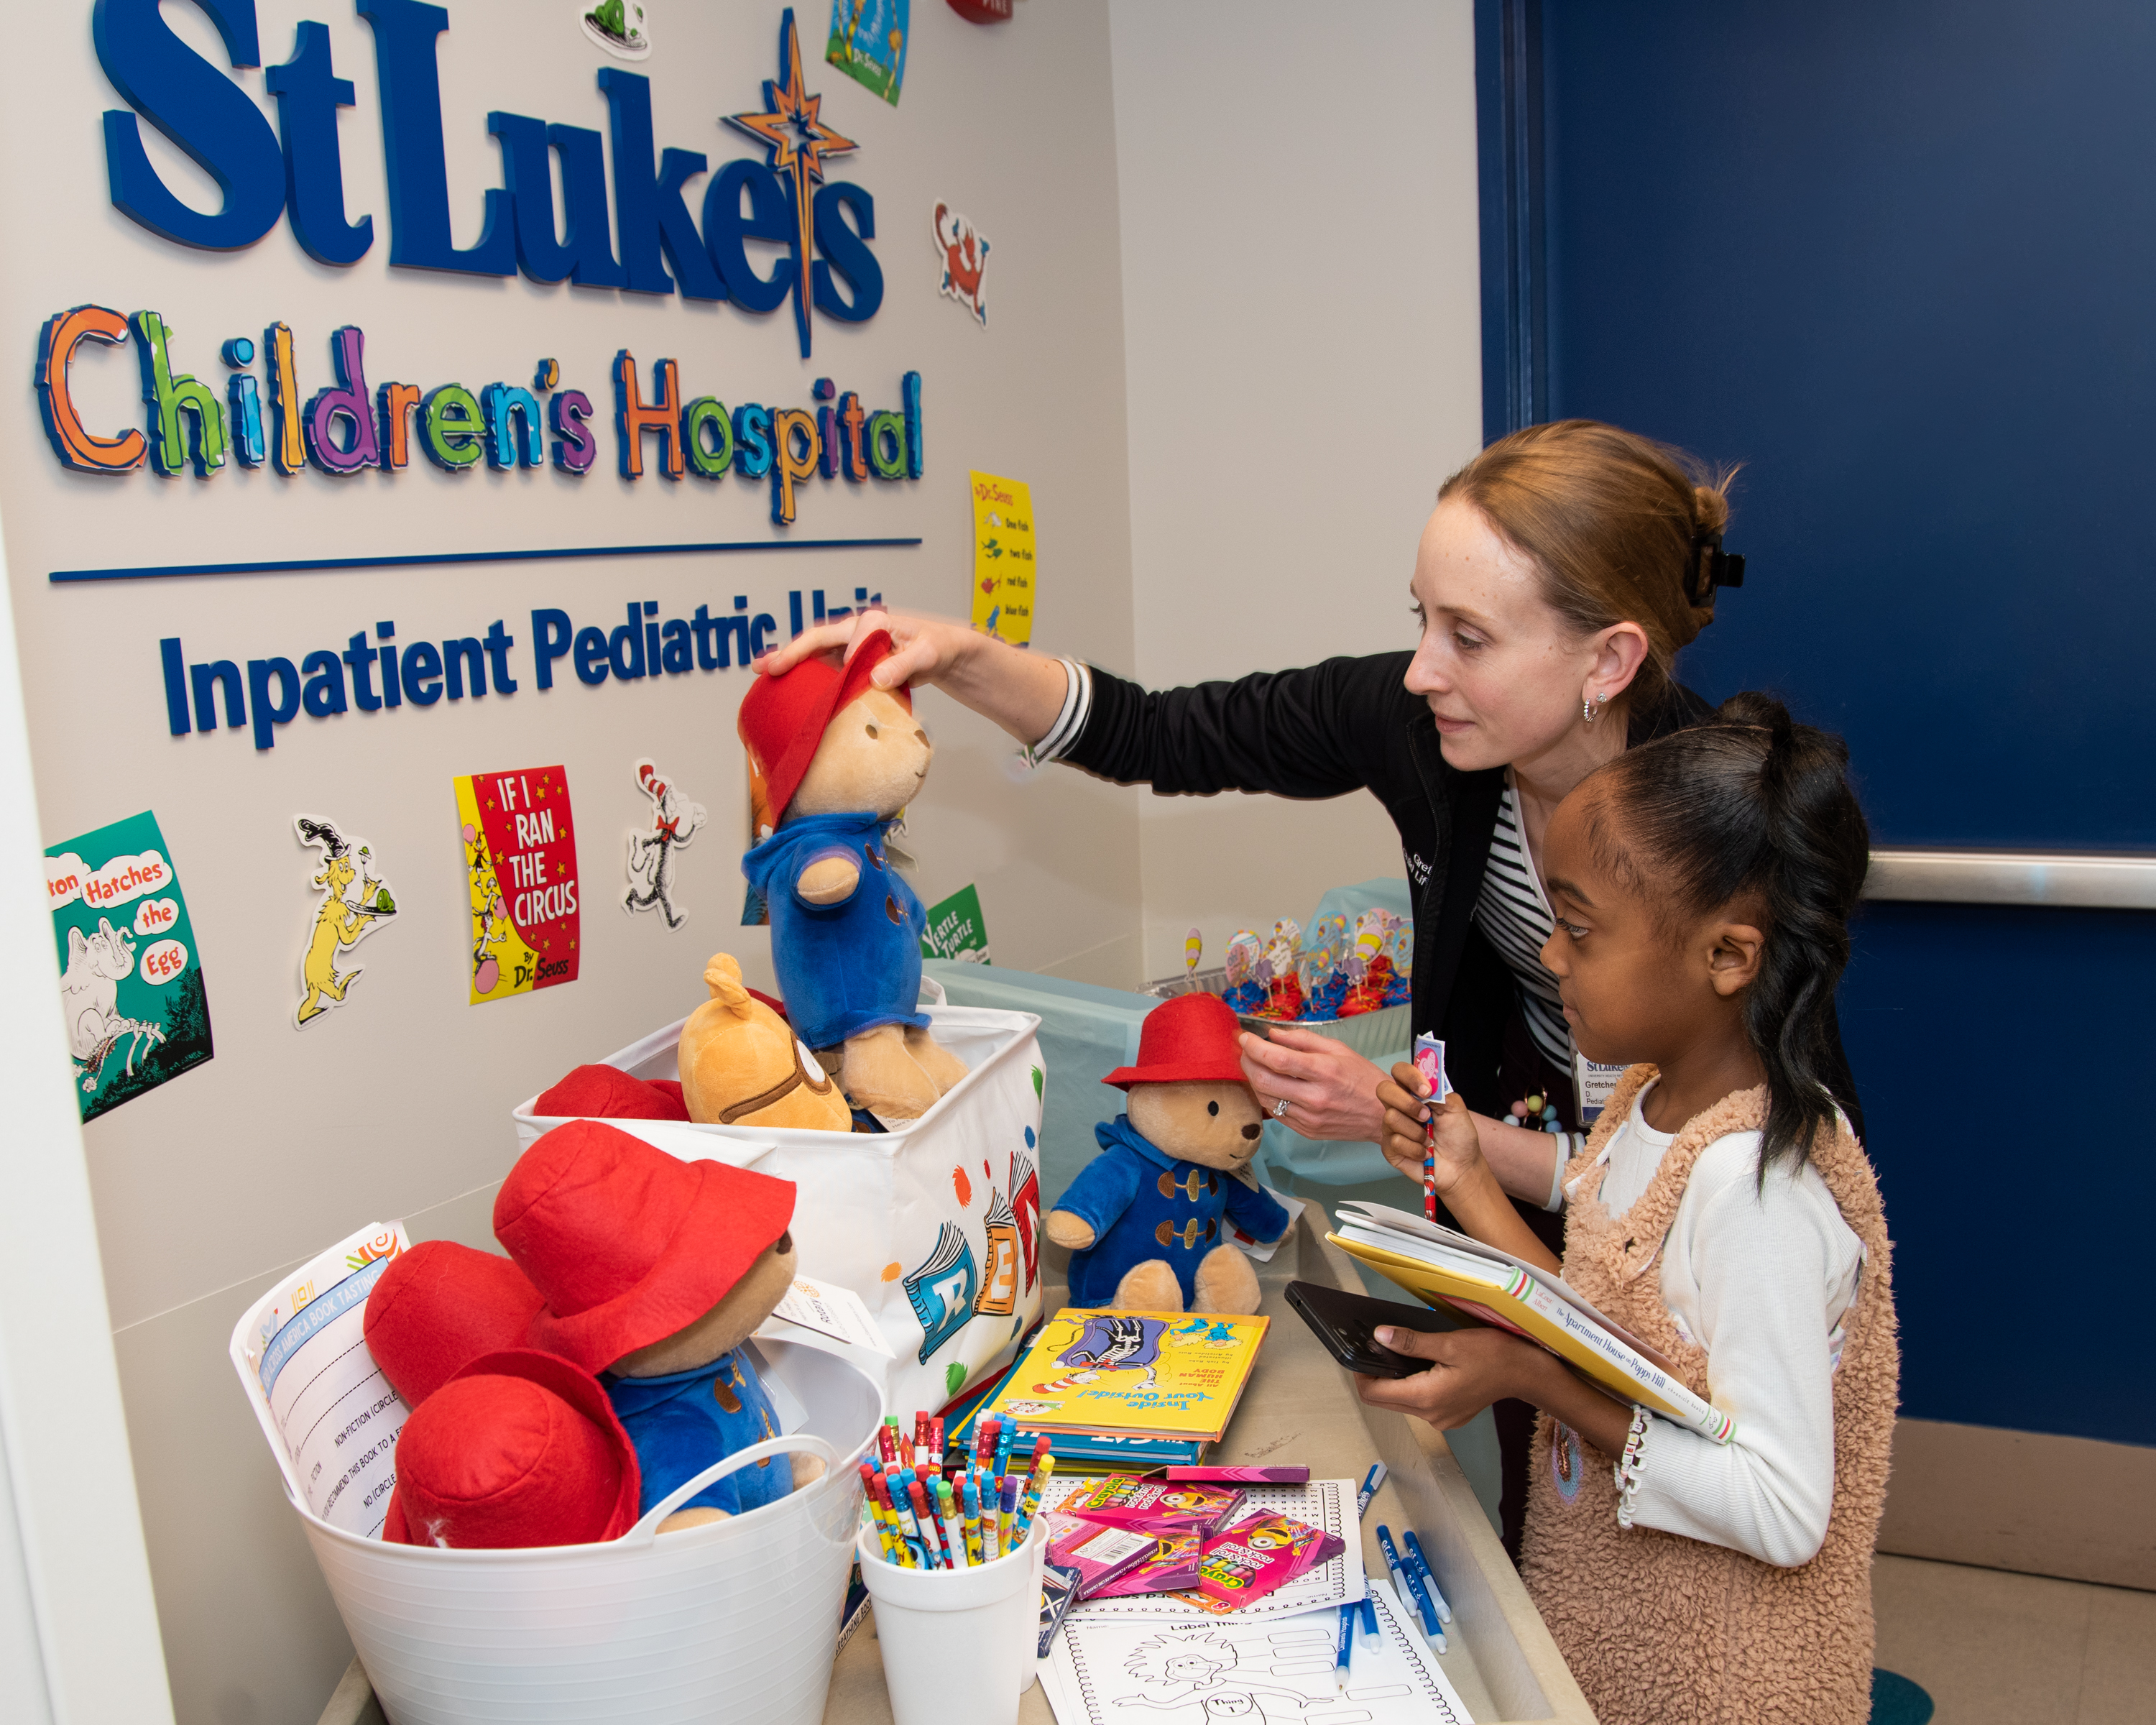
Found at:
[1125, 1391]
[1448, 1269]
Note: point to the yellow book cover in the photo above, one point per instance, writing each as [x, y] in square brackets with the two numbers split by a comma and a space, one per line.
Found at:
[1513, 1300]
[1120, 1373]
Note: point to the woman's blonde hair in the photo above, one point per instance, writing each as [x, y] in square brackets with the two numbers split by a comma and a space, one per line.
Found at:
[1620, 528]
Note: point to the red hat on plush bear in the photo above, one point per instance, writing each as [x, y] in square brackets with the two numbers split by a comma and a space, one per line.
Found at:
[608, 1093]
[518, 1449]
[782, 718]
[627, 1244]
[1191, 1038]
[439, 1307]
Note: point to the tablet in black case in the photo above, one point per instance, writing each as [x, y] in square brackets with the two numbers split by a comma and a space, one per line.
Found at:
[1343, 1323]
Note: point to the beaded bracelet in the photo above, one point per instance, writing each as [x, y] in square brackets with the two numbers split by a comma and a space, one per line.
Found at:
[1627, 1471]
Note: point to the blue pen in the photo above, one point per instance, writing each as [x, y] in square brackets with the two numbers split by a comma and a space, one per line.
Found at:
[1372, 1482]
[1421, 1565]
[1347, 1647]
[1405, 1584]
[1370, 1642]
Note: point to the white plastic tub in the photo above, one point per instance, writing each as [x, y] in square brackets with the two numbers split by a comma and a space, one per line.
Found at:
[732, 1623]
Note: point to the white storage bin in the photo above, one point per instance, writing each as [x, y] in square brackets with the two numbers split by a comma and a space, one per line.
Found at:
[935, 1224]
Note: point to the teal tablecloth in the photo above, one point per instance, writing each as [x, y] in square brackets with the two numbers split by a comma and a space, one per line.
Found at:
[1085, 1033]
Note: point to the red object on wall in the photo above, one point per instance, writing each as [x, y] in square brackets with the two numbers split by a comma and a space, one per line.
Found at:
[982, 12]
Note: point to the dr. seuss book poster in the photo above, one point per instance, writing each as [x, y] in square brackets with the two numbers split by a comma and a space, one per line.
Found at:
[1002, 558]
[868, 44]
[520, 867]
[130, 980]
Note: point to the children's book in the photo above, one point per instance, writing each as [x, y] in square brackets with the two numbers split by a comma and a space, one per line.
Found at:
[1150, 1375]
[1443, 1267]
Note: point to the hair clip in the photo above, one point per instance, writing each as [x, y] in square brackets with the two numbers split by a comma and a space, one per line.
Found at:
[1721, 570]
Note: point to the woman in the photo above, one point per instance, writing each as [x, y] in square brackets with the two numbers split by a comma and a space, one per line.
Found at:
[1562, 571]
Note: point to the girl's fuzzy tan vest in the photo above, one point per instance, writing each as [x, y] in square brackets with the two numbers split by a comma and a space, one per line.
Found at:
[1659, 1629]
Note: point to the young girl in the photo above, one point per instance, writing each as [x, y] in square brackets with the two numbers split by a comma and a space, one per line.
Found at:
[1722, 1211]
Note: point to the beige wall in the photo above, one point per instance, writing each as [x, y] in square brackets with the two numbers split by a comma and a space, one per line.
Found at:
[1232, 361]
[396, 1104]
[1301, 331]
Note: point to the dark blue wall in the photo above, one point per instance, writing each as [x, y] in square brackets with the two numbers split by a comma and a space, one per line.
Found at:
[1900, 260]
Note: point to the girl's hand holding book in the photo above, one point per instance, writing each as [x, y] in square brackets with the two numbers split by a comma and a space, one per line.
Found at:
[1471, 1368]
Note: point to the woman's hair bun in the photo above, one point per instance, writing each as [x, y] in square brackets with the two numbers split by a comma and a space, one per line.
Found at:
[1710, 504]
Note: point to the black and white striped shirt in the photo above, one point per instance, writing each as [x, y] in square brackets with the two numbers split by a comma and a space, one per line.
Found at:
[1515, 917]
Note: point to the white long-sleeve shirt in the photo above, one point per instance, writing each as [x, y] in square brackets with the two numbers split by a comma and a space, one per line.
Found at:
[1760, 1279]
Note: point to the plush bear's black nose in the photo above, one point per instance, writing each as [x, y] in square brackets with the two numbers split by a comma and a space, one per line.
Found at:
[1249, 1132]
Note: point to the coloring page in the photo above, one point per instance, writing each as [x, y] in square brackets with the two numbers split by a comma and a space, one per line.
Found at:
[1111, 1671]
[1329, 1504]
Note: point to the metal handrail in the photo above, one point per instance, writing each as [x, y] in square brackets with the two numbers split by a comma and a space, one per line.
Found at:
[2082, 879]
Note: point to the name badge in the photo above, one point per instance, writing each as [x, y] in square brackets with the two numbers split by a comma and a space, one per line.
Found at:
[1593, 1084]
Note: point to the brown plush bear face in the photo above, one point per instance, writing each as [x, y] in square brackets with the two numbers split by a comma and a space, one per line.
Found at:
[1213, 1124]
[726, 1326]
[873, 756]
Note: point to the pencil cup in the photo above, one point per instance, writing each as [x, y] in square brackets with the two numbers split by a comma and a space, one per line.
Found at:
[958, 1644]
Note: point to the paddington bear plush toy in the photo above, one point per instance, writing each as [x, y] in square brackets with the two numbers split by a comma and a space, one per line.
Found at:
[1147, 1216]
[653, 1272]
[838, 759]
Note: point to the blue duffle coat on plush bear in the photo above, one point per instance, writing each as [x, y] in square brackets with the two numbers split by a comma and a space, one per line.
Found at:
[683, 1422]
[1143, 1203]
[849, 967]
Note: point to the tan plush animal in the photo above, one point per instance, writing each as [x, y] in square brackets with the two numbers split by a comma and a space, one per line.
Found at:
[1147, 1219]
[741, 1065]
[836, 759]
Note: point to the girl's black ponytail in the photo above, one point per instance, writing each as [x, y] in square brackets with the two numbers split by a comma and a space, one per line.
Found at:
[1753, 803]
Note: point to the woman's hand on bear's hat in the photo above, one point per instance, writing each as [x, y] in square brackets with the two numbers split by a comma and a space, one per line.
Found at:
[922, 648]
[1331, 1090]
[1023, 692]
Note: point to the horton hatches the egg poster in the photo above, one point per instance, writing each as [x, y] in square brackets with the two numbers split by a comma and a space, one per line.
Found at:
[131, 981]
[520, 864]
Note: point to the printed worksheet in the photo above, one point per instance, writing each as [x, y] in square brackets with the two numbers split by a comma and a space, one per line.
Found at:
[331, 1418]
[1105, 1672]
[1329, 1504]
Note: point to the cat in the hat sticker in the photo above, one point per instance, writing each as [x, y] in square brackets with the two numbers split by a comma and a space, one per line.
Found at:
[674, 821]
